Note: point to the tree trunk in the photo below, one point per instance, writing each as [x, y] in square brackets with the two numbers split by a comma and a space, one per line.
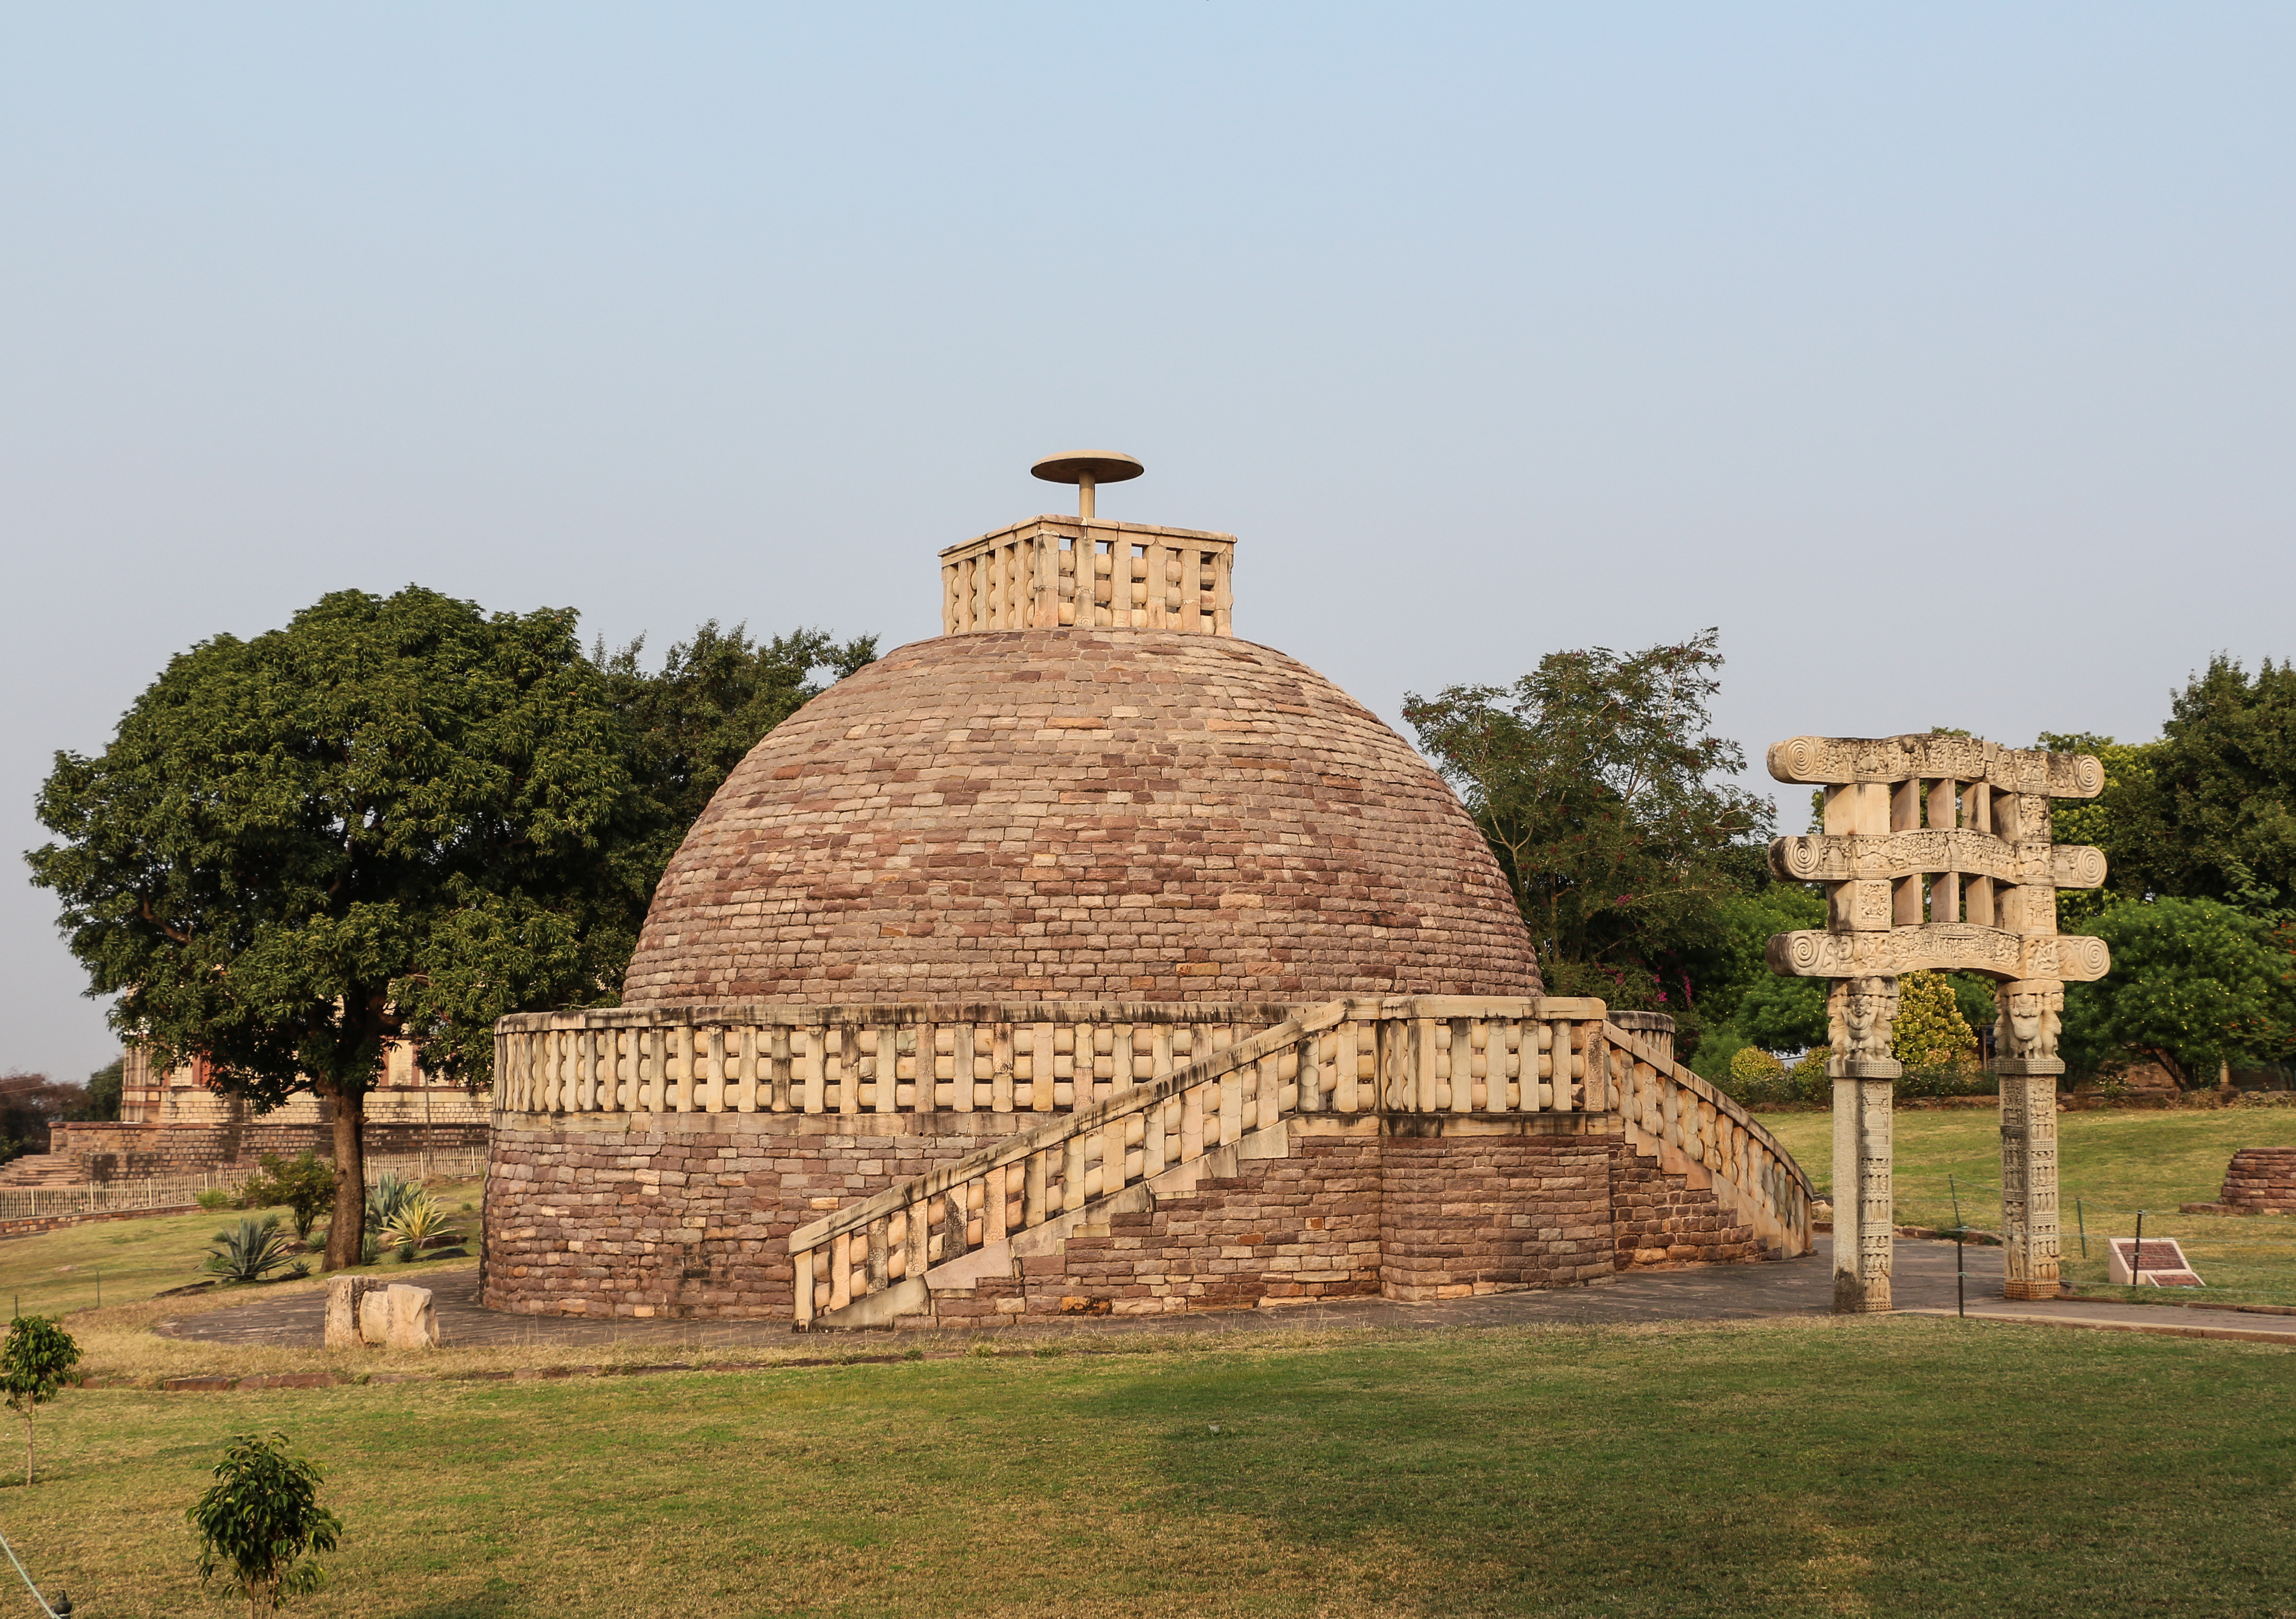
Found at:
[346, 1230]
[28, 1448]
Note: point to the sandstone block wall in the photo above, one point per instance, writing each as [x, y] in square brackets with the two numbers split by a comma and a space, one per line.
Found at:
[1481, 1213]
[2261, 1180]
[689, 1215]
[106, 1152]
[690, 1218]
[1659, 1218]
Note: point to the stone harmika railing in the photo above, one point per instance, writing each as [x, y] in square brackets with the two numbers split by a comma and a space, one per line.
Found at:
[1394, 1056]
[1051, 572]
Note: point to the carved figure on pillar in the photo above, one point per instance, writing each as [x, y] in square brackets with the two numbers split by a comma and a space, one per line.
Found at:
[1936, 856]
[1859, 1014]
[2028, 1018]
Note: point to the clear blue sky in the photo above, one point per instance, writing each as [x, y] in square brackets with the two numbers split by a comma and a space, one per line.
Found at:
[1939, 355]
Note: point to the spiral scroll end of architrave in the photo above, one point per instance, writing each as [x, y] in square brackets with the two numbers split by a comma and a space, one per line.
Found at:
[1796, 759]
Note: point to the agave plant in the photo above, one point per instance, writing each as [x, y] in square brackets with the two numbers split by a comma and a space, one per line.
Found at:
[249, 1251]
[386, 1197]
[418, 1220]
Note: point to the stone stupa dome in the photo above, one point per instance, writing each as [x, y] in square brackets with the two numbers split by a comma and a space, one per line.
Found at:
[1027, 807]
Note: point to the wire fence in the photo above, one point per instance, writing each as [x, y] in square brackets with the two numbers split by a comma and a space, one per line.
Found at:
[133, 1193]
[2239, 1258]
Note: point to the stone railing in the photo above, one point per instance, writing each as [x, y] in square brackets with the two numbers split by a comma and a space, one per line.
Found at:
[1053, 571]
[1697, 1132]
[1029, 1058]
[1464, 1057]
[830, 1059]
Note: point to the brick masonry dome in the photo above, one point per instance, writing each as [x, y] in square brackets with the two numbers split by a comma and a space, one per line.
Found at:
[1093, 813]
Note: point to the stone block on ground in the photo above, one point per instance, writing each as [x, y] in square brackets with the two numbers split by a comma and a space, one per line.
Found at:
[344, 1293]
[412, 1318]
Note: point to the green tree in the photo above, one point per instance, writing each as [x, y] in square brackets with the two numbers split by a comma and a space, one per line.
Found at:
[260, 1520]
[714, 698]
[1605, 796]
[1782, 1013]
[104, 1086]
[396, 817]
[2194, 984]
[2214, 814]
[35, 1362]
[2102, 821]
[1930, 1033]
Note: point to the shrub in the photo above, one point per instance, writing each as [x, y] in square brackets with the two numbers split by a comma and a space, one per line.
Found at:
[260, 1519]
[34, 1362]
[1752, 1065]
[1931, 1034]
[418, 1220]
[1756, 1076]
[305, 1184]
[215, 1197]
[1709, 1060]
[1806, 1081]
[249, 1251]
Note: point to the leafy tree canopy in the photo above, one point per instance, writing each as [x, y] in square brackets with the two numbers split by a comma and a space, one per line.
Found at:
[2194, 984]
[2101, 821]
[396, 816]
[1603, 793]
[715, 697]
[2210, 810]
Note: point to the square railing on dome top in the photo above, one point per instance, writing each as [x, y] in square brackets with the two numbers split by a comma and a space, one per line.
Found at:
[1048, 572]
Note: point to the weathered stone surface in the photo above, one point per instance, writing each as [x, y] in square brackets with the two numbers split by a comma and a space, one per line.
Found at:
[1081, 814]
[413, 1318]
[344, 1297]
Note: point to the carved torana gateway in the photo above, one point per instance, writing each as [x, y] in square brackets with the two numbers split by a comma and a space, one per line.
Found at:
[1087, 957]
[1937, 856]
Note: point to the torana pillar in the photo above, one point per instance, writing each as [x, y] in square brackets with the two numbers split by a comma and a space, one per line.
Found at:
[1937, 856]
[2025, 1056]
[1860, 1012]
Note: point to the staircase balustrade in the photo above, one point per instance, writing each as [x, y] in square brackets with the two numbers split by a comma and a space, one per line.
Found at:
[1465, 1055]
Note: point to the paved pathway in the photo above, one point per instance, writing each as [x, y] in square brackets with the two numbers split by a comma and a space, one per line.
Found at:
[1923, 1277]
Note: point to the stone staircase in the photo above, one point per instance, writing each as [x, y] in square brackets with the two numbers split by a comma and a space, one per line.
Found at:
[42, 1172]
[1329, 1155]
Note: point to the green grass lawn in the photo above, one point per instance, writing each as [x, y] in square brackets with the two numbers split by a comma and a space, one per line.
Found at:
[127, 1260]
[1879, 1466]
[2109, 1166]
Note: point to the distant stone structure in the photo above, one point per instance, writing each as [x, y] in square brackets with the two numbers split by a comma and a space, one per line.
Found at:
[1088, 958]
[1937, 856]
[2258, 1180]
[175, 1122]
